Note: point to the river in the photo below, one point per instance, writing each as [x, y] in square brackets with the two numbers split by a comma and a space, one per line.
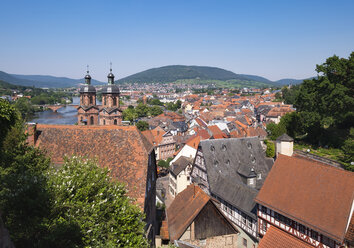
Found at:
[65, 115]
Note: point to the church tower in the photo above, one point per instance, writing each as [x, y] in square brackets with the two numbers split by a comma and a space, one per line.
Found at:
[110, 113]
[87, 112]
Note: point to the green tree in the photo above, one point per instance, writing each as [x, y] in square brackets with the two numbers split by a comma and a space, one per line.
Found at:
[25, 107]
[270, 152]
[331, 94]
[8, 118]
[129, 114]
[155, 110]
[142, 125]
[142, 110]
[24, 195]
[348, 150]
[86, 195]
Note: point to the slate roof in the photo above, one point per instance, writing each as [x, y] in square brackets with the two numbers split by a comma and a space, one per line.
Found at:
[124, 150]
[312, 193]
[180, 164]
[285, 137]
[276, 238]
[228, 163]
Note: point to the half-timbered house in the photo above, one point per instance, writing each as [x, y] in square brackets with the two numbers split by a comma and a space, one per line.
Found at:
[233, 171]
[306, 202]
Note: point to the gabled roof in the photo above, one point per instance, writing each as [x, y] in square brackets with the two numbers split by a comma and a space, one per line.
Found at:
[217, 133]
[154, 136]
[276, 238]
[193, 142]
[185, 208]
[317, 195]
[228, 162]
[124, 150]
[180, 164]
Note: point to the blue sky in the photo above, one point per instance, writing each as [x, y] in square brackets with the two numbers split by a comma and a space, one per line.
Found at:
[274, 39]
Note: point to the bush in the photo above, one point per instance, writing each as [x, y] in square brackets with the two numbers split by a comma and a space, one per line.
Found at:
[270, 152]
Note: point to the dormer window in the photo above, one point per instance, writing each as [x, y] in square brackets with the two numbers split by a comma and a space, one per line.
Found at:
[259, 176]
[249, 145]
[212, 148]
[223, 147]
[253, 160]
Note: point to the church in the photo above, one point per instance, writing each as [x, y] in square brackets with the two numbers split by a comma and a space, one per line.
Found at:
[109, 113]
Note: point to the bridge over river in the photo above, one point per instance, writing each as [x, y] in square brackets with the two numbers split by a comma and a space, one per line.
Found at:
[55, 107]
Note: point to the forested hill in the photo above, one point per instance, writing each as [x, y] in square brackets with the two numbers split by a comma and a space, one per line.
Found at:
[41, 81]
[173, 73]
[166, 74]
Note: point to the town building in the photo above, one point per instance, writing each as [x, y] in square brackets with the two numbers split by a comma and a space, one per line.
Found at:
[179, 175]
[306, 203]
[232, 171]
[89, 113]
[195, 220]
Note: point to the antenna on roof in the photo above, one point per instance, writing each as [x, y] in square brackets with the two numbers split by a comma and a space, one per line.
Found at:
[87, 69]
[110, 66]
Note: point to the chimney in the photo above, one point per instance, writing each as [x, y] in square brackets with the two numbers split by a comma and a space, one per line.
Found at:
[285, 145]
[251, 179]
[31, 133]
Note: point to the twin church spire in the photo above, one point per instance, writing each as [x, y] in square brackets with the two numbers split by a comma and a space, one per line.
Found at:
[109, 113]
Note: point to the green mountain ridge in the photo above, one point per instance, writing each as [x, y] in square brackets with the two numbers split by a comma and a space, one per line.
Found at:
[165, 74]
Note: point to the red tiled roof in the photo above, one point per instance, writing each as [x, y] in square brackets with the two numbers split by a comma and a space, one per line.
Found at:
[217, 133]
[276, 238]
[184, 209]
[193, 142]
[317, 195]
[124, 150]
[204, 135]
[154, 136]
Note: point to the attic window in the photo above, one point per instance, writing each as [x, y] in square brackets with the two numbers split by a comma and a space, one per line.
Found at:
[259, 176]
[216, 163]
[253, 160]
[249, 145]
[212, 148]
[227, 162]
[223, 147]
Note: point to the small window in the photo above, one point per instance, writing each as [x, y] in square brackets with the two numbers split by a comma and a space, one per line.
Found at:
[216, 163]
[264, 209]
[91, 120]
[249, 145]
[264, 226]
[223, 147]
[259, 176]
[227, 162]
[244, 242]
[302, 228]
[212, 148]
[253, 160]
[114, 101]
[314, 235]
[115, 122]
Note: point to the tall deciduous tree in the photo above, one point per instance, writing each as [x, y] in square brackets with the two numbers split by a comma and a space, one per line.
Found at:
[85, 194]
